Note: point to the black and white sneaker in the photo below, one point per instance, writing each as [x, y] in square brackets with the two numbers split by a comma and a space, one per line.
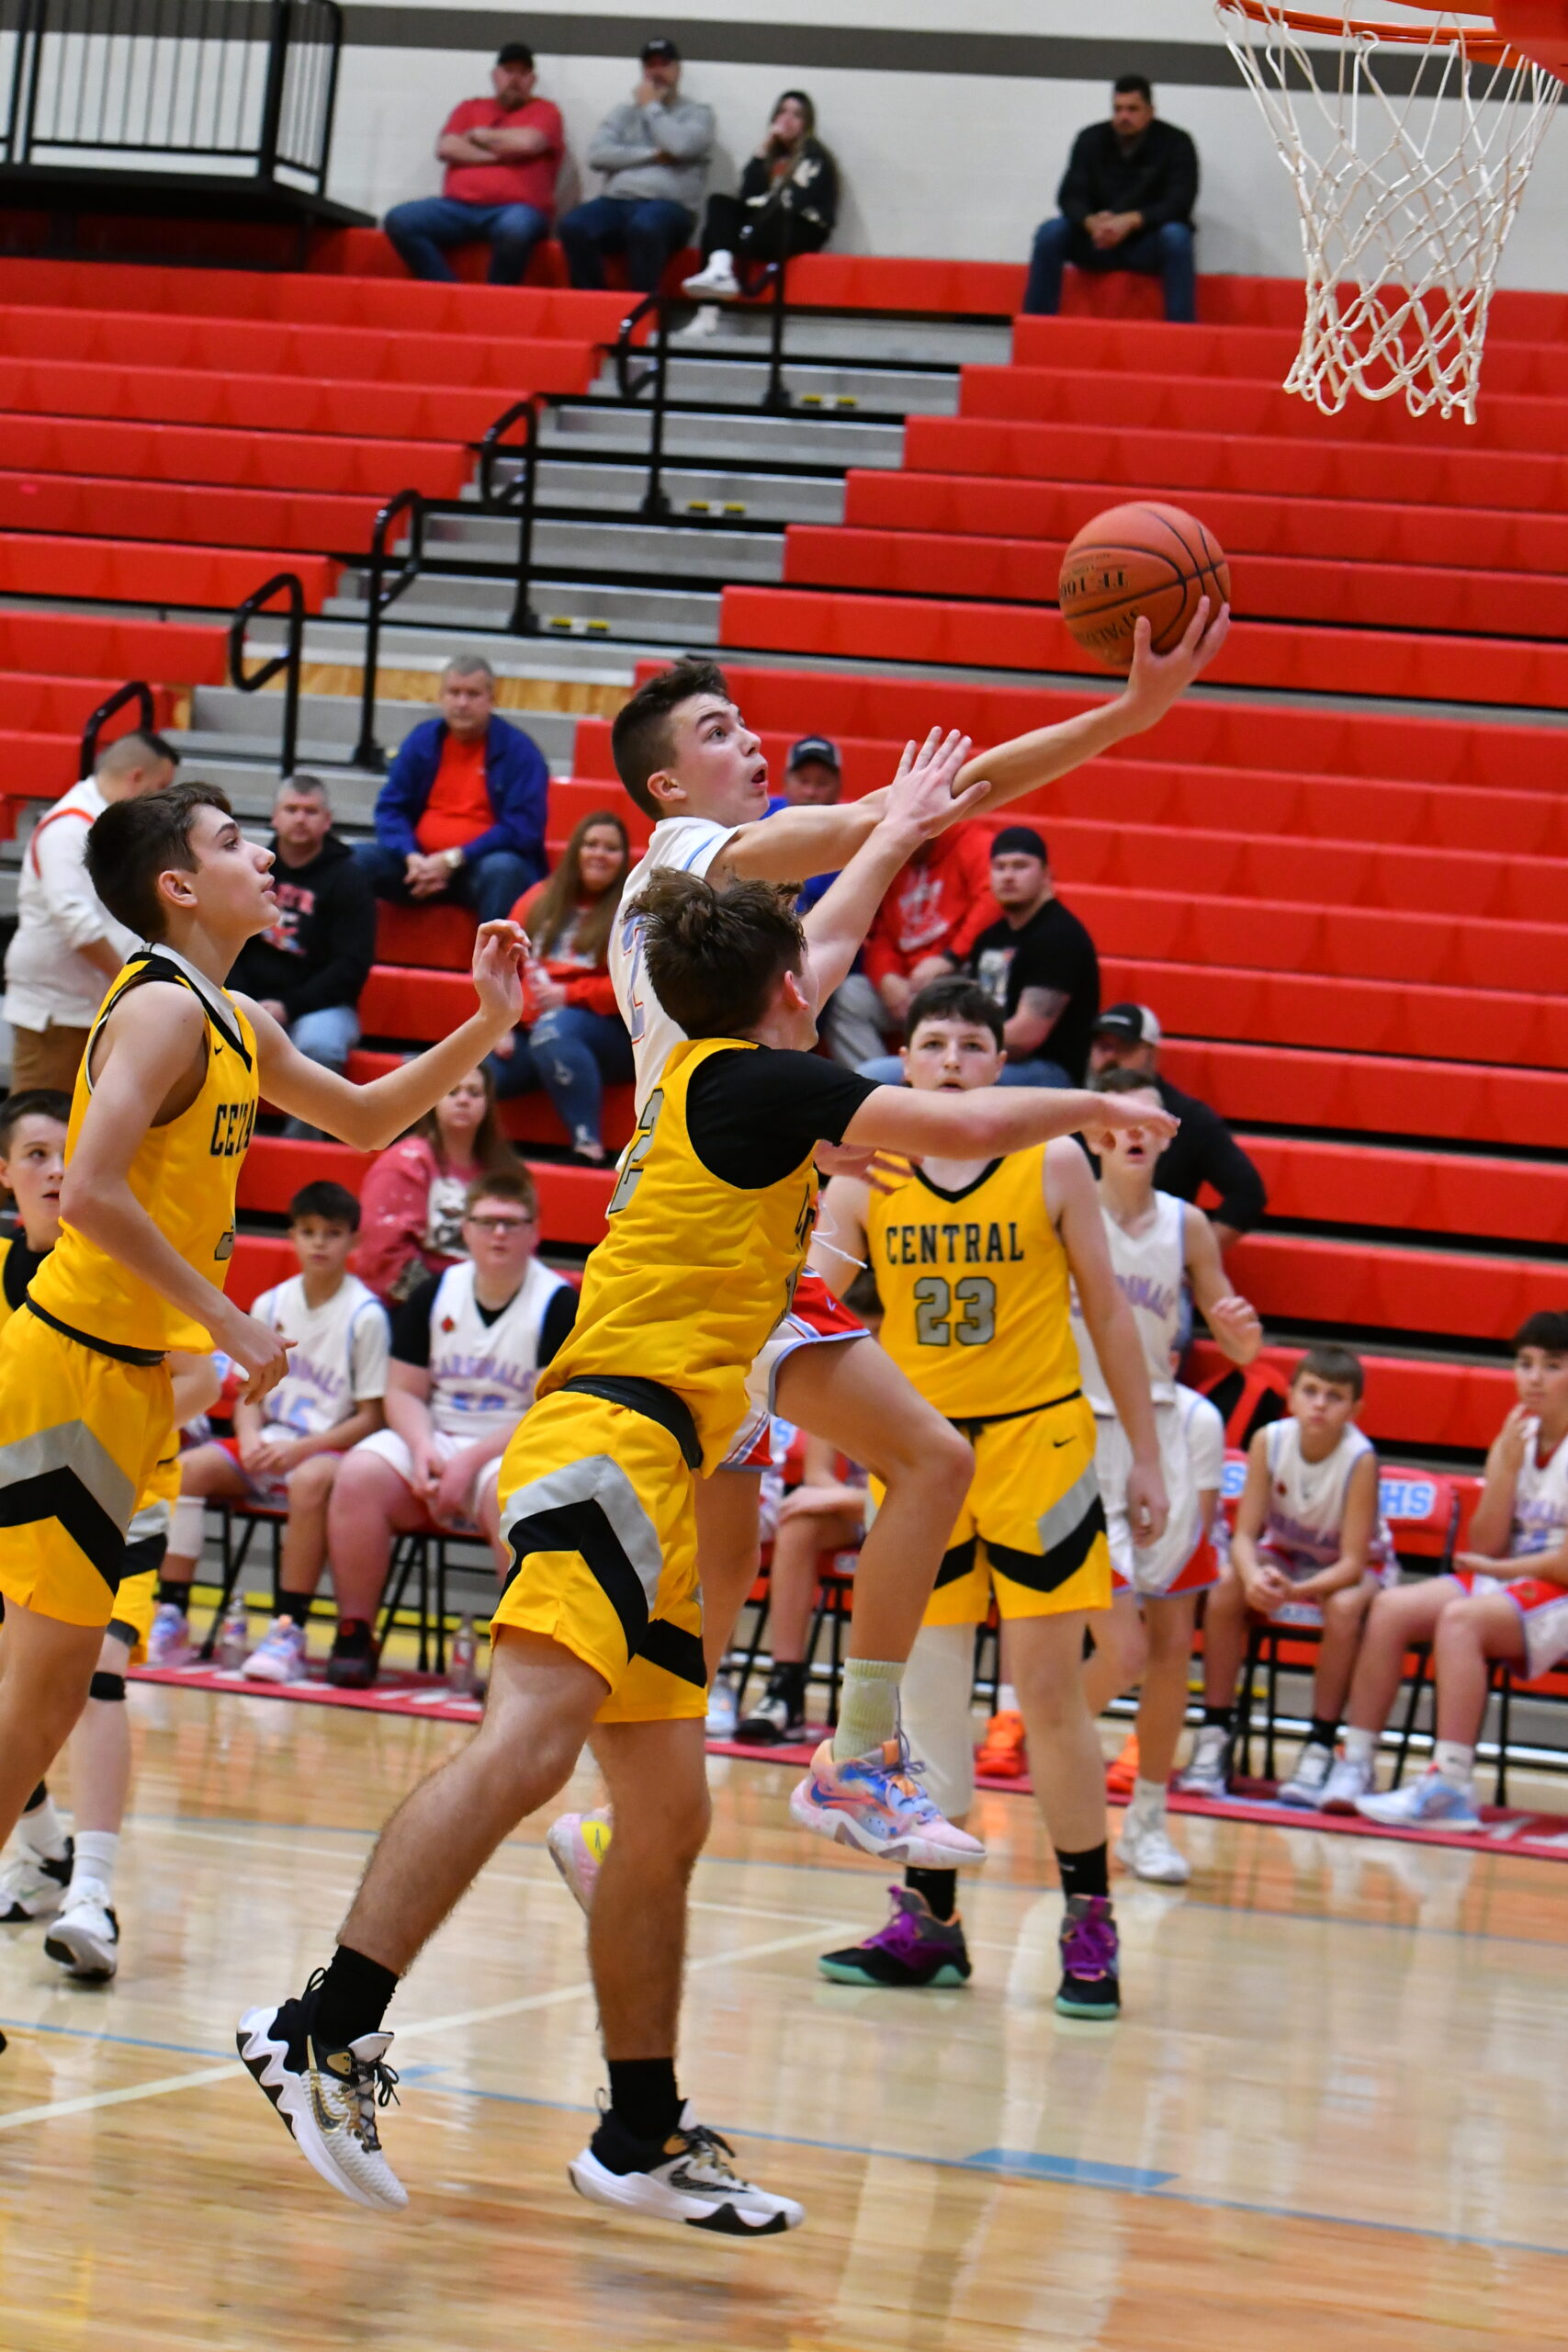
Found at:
[33, 1887]
[84, 1938]
[688, 2177]
[775, 1719]
[327, 2098]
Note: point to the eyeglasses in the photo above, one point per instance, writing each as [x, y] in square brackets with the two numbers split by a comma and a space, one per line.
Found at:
[502, 1223]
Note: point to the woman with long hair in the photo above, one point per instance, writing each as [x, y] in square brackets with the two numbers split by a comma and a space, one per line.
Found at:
[787, 204]
[571, 1041]
[411, 1200]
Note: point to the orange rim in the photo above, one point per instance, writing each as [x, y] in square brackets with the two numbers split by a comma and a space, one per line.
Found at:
[1484, 48]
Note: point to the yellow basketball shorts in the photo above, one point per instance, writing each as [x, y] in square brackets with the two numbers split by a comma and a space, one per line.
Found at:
[81, 1434]
[1032, 1527]
[597, 1500]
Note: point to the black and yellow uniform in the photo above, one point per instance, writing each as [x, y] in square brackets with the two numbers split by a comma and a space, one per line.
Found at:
[709, 1226]
[86, 1414]
[975, 1291]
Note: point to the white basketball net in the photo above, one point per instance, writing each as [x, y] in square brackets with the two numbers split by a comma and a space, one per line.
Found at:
[1408, 161]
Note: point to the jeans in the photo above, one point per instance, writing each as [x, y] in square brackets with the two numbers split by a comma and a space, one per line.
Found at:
[573, 1054]
[1155, 253]
[492, 886]
[421, 231]
[887, 1069]
[328, 1036]
[648, 230]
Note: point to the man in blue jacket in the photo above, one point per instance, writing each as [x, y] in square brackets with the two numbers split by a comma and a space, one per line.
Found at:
[461, 815]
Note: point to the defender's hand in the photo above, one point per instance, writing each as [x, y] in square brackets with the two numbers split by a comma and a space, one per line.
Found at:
[499, 950]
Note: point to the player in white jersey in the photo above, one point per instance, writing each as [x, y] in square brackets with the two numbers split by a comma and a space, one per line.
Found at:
[1310, 1549]
[1486, 1611]
[284, 1453]
[1157, 1244]
[468, 1347]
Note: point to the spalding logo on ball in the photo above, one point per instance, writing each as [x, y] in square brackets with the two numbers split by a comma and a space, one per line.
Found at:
[1139, 558]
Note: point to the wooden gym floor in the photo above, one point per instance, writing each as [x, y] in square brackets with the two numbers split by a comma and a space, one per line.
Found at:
[1334, 2113]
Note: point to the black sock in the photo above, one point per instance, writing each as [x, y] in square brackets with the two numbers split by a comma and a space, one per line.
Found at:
[178, 1595]
[1324, 1730]
[351, 1998]
[938, 1887]
[39, 1796]
[788, 1681]
[1085, 1873]
[295, 1605]
[1219, 1719]
[643, 2094]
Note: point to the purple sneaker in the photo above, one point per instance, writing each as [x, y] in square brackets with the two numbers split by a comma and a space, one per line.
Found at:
[1089, 1944]
[914, 1948]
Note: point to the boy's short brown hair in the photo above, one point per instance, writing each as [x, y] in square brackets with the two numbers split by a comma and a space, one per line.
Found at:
[1341, 1367]
[512, 1184]
[33, 1102]
[715, 954]
[640, 739]
[135, 840]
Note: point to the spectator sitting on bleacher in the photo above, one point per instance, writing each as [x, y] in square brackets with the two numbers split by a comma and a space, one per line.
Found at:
[467, 1348]
[571, 1040]
[1480, 1614]
[413, 1192]
[1126, 202]
[461, 816]
[922, 930]
[1038, 963]
[1202, 1150]
[787, 204]
[502, 155]
[1310, 1548]
[286, 1451]
[308, 970]
[853, 1018]
[67, 946]
[654, 154]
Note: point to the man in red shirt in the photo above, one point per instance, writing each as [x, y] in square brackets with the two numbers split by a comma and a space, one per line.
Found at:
[923, 927]
[501, 156]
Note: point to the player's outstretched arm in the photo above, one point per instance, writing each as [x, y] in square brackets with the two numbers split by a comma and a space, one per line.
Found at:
[372, 1116]
[1074, 1204]
[1154, 682]
[992, 1119]
[922, 799]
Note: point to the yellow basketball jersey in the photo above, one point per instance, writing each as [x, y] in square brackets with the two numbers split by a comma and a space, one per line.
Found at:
[183, 1174]
[973, 1288]
[693, 1273]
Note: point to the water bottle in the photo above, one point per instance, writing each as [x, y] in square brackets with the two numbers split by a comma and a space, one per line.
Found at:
[233, 1642]
[461, 1677]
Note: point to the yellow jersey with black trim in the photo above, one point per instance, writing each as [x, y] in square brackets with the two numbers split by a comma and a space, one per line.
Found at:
[183, 1173]
[693, 1271]
[975, 1289]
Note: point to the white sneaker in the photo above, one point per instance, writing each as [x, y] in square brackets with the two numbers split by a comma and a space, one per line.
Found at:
[717, 283]
[1308, 1784]
[1147, 1851]
[577, 1844]
[688, 2177]
[1350, 1780]
[32, 1888]
[1208, 1775]
[701, 328]
[722, 1709]
[328, 2099]
[84, 1939]
[1430, 1803]
[168, 1641]
[280, 1656]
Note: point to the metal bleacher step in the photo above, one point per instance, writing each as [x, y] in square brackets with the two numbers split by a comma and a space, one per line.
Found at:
[706, 491]
[226, 722]
[864, 340]
[608, 549]
[655, 617]
[699, 374]
[811, 441]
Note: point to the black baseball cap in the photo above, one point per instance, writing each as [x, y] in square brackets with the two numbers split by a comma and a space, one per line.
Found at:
[1134, 1025]
[660, 50]
[515, 52]
[1020, 840]
[813, 747]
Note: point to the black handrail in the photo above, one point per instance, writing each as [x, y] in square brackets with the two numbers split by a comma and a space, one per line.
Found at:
[382, 593]
[138, 692]
[288, 661]
[655, 502]
[519, 495]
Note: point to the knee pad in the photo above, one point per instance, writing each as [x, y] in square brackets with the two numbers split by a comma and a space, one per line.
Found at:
[187, 1528]
[938, 1687]
[106, 1686]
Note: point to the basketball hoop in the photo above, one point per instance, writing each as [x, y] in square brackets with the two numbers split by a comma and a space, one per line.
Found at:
[1408, 147]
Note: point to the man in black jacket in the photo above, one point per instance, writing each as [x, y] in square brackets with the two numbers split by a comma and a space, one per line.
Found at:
[309, 969]
[1126, 203]
[1203, 1150]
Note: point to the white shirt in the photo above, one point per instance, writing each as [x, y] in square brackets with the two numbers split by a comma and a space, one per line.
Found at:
[1149, 1267]
[338, 1359]
[482, 1375]
[1306, 1499]
[49, 982]
[1540, 1499]
[690, 845]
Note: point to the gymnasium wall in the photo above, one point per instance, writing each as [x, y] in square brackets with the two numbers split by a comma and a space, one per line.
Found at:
[951, 124]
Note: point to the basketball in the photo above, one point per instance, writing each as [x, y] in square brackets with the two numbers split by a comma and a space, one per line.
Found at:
[1139, 558]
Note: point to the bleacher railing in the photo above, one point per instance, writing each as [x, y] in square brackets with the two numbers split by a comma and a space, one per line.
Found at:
[651, 383]
[289, 585]
[136, 691]
[246, 88]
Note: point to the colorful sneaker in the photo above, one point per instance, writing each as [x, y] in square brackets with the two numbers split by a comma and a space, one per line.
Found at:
[168, 1638]
[688, 2177]
[1209, 1774]
[915, 1949]
[1308, 1784]
[1430, 1803]
[32, 1888]
[876, 1804]
[1002, 1754]
[1122, 1776]
[355, 1658]
[1351, 1780]
[280, 1658]
[84, 1939]
[577, 1843]
[1090, 1948]
[327, 2098]
[1147, 1851]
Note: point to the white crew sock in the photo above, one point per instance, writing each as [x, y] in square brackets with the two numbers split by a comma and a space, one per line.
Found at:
[1359, 1745]
[1007, 1700]
[719, 263]
[97, 1852]
[868, 1707]
[1455, 1761]
[43, 1832]
[1148, 1801]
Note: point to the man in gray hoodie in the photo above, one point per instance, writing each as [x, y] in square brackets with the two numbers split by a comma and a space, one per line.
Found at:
[654, 154]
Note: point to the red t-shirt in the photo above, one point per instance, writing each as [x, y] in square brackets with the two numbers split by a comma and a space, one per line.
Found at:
[930, 906]
[510, 179]
[458, 809]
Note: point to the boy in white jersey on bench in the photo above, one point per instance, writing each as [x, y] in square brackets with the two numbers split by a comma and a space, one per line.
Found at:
[1486, 1611]
[467, 1346]
[1310, 1548]
[286, 1452]
[1156, 1243]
